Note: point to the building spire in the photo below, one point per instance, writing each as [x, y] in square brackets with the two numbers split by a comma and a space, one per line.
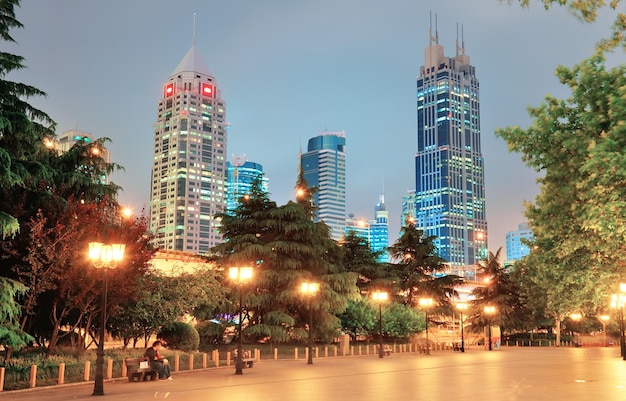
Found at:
[193, 37]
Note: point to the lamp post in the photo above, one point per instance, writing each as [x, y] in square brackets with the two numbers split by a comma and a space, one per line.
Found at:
[239, 276]
[462, 306]
[310, 289]
[426, 303]
[617, 302]
[489, 310]
[603, 320]
[103, 256]
[380, 297]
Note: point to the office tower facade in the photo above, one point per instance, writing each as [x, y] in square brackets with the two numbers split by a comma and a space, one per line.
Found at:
[408, 208]
[449, 169]
[324, 167]
[515, 248]
[380, 231]
[241, 174]
[64, 142]
[189, 167]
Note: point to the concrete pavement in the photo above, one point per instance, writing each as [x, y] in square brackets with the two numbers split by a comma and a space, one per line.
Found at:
[573, 374]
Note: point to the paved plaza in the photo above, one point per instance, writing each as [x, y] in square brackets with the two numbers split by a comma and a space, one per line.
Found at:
[573, 374]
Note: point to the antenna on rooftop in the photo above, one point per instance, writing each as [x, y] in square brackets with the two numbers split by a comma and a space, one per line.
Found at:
[193, 38]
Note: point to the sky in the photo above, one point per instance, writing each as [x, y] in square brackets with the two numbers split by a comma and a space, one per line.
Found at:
[290, 69]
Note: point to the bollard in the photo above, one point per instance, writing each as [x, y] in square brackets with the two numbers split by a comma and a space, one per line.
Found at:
[176, 362]
[257, 355]
[190, 361]
[306, 353]
[33, 376]
[204, 360]
[227, 358]
[61, 379]
[352, 350]
[124, 368]
[394, 348]
[367, 349]
[86, 374]
[295, 354]
[317, 352]
[326, 351]
[275, 353]
[335, 350]
[2, 379]
[360, 353]
[109, 368]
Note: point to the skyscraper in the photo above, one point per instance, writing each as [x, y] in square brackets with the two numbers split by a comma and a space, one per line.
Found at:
[380, 230]
[324, 167]
[449, 170]
[515, 248]
[189, 167]
[241, 175]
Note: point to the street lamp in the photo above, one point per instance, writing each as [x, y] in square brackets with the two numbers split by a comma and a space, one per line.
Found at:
[103, 256]
[310, 289]
[380, 297]
[362, 224]
[426, 303]
[603, 320]
[617, 302]
[489, 310]
[462, 306]
[239, 276]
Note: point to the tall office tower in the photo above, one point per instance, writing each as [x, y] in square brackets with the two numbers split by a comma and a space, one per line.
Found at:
[515, 249]
[450, 185]
[408, 208]
[380, 230]
[68, 139]
[324, 167]
[241, 174]
[189, 167]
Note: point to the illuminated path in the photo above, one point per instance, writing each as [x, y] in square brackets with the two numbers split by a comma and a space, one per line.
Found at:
[571, 374]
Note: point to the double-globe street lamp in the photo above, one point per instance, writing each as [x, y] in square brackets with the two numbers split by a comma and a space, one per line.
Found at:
[462, 306]
[489, 311]
[103, 256]
[310, 289]
[240, 276]
[380, 297]
[426, 303]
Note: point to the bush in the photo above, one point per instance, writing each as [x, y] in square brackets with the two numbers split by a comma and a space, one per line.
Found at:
[179, 335]
[210, 334]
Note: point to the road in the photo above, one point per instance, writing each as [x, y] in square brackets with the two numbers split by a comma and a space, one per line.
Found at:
[573, 374]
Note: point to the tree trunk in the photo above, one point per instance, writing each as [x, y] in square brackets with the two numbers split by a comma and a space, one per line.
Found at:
[557, 328]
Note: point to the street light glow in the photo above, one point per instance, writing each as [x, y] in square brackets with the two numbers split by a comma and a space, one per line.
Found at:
[310, 288]
[380, 296]
[240, 273]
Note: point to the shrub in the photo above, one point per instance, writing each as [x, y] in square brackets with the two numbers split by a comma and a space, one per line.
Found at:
[179, 335]
[210, 334]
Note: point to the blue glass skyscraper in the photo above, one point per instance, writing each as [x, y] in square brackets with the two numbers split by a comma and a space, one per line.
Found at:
[449, 169]
[380, 231]
[324, 167]
[240, 176]
[515, 248]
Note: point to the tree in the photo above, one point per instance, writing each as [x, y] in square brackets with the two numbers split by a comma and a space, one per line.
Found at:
[578, 218]
[11, 335]
[400, 321]
[500, 291]
[359, 318]
[420, 271]
[588, 11]
[359, 258]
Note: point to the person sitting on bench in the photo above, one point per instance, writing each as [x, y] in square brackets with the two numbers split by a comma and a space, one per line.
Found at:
[157, 362]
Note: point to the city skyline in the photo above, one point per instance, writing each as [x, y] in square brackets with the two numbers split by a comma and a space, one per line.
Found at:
[289, 71]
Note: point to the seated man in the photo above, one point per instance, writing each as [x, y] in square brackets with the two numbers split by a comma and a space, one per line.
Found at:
[157, 362]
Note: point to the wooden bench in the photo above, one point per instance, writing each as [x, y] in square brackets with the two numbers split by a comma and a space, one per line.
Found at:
[247, 360]
[139, 369]
[387, 350]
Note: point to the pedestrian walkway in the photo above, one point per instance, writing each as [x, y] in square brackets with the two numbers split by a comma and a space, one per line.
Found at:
[573, 374]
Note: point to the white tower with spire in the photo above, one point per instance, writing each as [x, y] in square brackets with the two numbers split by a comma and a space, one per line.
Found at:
[189, 166]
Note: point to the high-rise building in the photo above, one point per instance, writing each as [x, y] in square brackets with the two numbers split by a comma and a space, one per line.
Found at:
[449, 169]
[324, 167]
[189, 166]
[515, 248]
[241, 174]
[408, 208]
[380, 230]
[68, 139]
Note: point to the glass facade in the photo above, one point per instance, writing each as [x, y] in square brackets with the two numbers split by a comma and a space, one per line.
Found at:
[241, 175]
[449, 169]
[515, 248]
[324, 167]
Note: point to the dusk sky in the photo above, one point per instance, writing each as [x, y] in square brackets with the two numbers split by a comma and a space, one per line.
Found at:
[288, 69]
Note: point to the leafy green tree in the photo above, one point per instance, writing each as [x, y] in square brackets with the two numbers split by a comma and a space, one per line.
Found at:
[401, 321]
[180, 335]
[577, 219]
[359, 258]
[420, 270]
[359, 318]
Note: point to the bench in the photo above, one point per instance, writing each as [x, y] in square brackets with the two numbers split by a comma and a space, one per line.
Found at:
[247, 360]
[139, 369]
[386, 350]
